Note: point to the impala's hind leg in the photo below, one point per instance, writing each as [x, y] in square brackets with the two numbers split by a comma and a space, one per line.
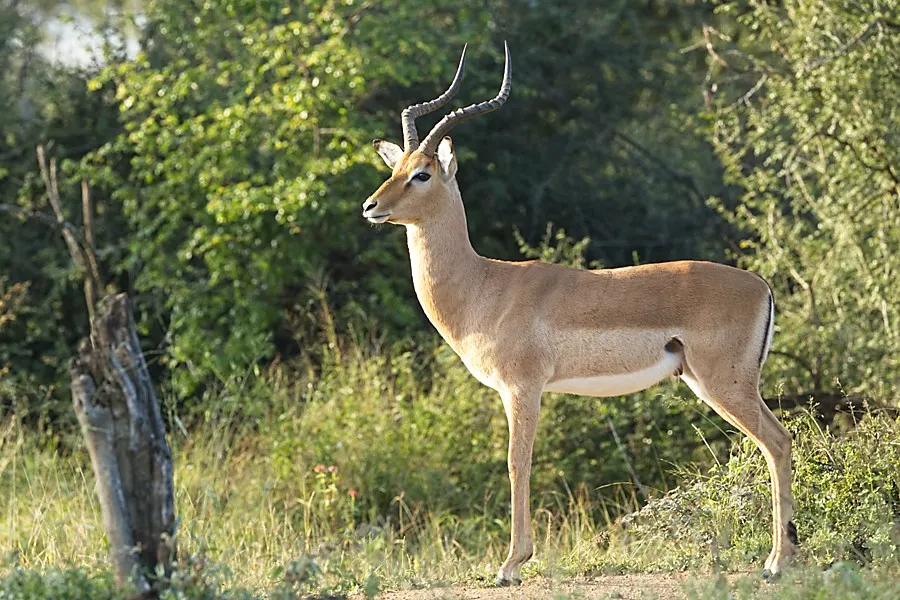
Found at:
[740, 404]
[782, 502]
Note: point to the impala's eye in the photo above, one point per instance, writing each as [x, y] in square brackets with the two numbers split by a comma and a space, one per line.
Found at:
[423, 176]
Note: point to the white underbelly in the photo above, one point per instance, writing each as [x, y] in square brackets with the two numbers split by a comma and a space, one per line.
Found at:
[618, 385]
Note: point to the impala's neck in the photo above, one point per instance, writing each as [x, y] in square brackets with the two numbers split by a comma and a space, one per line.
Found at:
[444, 266]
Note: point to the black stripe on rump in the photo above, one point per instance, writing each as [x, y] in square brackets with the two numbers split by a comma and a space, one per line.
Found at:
[765, 340]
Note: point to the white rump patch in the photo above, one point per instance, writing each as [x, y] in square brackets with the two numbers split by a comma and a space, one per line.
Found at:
[604, 386]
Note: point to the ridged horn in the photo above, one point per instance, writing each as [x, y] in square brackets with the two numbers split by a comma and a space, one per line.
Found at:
[434, 137]
[411, 113]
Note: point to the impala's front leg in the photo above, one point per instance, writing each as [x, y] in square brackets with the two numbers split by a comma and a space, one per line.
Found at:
[522, 414]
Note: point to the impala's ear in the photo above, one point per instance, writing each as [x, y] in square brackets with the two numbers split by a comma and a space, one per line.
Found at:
[390, 153]
[447, 158]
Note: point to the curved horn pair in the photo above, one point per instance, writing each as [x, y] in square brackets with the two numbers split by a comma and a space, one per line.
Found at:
[434, 137]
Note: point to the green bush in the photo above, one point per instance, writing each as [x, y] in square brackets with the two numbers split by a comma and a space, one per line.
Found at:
[70, 584]
[410, 422]
[846, 502]
[230, 155]
[802, 126]
[842, 581]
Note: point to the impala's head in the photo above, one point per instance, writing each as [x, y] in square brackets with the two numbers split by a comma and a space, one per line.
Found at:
[423, 180]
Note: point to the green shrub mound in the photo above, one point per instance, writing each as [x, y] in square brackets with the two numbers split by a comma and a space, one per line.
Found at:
[72, 584]
[846, 502]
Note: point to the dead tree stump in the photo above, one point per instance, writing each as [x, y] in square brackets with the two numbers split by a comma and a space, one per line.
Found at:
[118, 412]
[125, 436]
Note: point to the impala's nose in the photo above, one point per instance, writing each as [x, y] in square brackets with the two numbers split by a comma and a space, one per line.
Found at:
[369, 205]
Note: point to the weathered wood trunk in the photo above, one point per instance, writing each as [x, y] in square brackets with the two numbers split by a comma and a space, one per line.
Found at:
[125, 436]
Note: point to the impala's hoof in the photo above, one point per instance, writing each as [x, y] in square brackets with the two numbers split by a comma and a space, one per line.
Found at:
[501, 582]
[768, 576]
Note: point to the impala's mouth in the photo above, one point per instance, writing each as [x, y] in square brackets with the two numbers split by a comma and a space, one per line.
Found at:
[377, 218]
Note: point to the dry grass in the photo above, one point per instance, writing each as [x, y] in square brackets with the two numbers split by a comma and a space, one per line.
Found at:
[238, 513]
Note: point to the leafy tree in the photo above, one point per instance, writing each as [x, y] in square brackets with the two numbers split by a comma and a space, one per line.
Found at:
[42, 102]
[809, 132]
[245, 154]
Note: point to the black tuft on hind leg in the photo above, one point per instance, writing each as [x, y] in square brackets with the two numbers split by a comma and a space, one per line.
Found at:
[792, 533]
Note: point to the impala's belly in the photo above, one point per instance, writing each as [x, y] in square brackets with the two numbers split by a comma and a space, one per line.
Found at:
[621, 384]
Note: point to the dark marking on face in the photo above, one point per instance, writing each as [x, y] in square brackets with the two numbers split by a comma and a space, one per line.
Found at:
[792, 533]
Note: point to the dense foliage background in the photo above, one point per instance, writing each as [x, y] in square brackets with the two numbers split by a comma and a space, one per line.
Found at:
[234, 153]
[228, 146]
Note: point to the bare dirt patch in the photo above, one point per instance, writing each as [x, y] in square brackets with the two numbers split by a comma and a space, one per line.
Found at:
[666, 586]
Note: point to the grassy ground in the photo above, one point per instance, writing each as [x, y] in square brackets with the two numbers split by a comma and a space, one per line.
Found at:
[248, 527]
[357, 482]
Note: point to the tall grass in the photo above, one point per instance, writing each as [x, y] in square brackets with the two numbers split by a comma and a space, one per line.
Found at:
[364, 468]
[365, 473]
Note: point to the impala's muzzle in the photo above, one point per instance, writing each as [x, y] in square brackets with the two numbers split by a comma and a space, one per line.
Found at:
[370, 212]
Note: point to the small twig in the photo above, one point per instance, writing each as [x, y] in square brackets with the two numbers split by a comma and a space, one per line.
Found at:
[863, 34]
[745, 99]
[87, 213]
[43, 218]
[807, 366]
[640, 486]
[710, 49]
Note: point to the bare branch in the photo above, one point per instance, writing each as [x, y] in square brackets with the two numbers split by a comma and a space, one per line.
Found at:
[93, 285]
[87, 213]
[745, 99]
[844, 49]
[46, 219]
[828, 404]
[80, 249]
[640, 486]
[886, 168]
[807, 366]
[710, 49]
